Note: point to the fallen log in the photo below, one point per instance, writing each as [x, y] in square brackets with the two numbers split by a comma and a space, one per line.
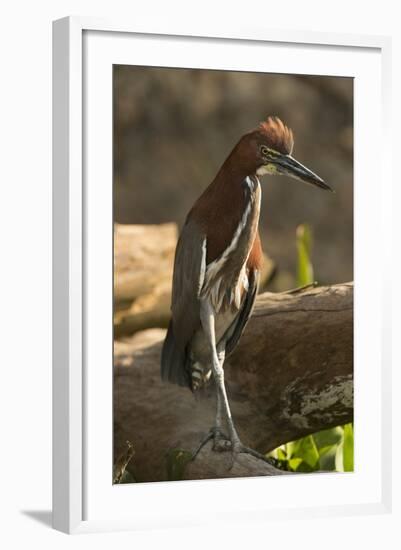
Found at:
[143, 257]
[291, 375]
[143, 266]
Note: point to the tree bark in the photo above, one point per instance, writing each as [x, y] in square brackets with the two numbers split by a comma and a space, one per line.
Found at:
[291, 375]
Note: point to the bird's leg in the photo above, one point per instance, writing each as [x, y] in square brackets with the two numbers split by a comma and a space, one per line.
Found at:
[208, 325]
[220, 441]
[225, 406]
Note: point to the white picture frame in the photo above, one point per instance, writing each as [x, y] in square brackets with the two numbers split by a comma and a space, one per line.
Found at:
[83, 49]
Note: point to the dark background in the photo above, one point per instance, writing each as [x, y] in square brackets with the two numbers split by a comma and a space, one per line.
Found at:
[173, 128]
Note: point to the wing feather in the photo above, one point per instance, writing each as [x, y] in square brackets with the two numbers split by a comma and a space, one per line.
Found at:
[237, 328]
[188, 278]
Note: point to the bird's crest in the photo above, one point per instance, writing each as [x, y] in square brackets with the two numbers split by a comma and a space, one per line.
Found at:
[277, 134]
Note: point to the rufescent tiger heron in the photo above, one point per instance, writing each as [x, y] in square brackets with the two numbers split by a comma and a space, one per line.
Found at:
[216, 268]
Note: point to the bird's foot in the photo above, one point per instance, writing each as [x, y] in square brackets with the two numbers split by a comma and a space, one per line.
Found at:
[221, 442]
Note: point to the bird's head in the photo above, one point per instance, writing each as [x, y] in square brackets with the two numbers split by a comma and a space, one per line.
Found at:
[268, 150]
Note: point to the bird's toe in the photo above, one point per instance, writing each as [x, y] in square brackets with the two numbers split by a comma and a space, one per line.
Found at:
[221, 444]
[238, 449]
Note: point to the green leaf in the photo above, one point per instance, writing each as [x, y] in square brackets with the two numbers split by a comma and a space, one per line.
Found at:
[327, 458]
[308, 451]
[305, 468]
[292, 448]
[294, 463]
[327, 438]
[304, 449]
[339, 458]
[304, 249]
[281, 454]
[177, 460]
[329, 450]
[348, 448]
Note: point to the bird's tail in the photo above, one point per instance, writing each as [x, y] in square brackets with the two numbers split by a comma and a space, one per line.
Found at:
[174, 361]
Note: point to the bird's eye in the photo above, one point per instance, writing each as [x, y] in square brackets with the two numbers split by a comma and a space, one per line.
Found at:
[264, 150]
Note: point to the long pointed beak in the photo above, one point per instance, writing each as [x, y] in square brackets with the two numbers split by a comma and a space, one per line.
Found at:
[295, 169]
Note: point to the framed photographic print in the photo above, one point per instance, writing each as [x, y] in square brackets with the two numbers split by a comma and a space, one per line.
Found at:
[219, 321]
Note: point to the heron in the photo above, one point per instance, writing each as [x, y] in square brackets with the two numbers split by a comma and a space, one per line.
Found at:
[217, 268]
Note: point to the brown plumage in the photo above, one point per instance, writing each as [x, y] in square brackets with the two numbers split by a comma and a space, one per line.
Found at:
[255, 258]
[218, 260]
[215, 218]
[276, 133]
[210, 210]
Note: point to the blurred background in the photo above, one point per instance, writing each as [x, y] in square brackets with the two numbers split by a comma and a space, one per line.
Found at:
[173, 128]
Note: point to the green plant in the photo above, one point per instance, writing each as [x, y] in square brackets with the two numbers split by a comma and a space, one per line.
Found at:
[177, 461]
[331, 449]
[304, 252]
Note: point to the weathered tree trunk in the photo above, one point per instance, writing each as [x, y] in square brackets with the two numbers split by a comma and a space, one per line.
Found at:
[291, 375]
[143, 266]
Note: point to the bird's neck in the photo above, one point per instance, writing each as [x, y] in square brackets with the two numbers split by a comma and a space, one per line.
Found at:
[220, 209]
[231, 190]
[233, 171]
